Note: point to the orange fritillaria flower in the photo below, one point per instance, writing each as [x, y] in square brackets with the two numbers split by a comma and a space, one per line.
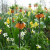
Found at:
[35, 5]
[40, 16]
[29, 5]
[16, 8]
[45, 8]
[20, 25]
[20, 10]
[12, 11]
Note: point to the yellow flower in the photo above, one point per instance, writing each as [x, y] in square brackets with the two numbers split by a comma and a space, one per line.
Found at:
[10, 10]
[23, 12]
[8, 20]
[31, 23]
[0, 31]
[29, 13]
[16, 14]
[8, 13]
[32, 11]
[36, 24]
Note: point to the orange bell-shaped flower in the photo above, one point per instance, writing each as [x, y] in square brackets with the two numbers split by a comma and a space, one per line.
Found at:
[16, 8]
[40, 16]
[12, 11]
[20, 25]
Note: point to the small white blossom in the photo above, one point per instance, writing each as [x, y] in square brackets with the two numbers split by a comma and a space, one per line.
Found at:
[38, 46]
[13, 43]
[5, 23]
[41, 23]
[25, 31]
[10, 18]
[8, 39]
[44, 27]
[11, 39]
[36, 20]
[5, 35]
[22, 33]
[32, 31]
[8, 26]
[48, 16]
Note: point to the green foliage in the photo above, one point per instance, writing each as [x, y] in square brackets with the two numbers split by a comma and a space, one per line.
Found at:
[47, 20]
[39, 9]
[30, 40]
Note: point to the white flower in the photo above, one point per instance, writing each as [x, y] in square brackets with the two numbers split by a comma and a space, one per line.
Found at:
[11, 39]
[5, 23]
[10, 18]
[5, 35]
[44, 27]
[8, 26]
[36, 20]
[32, 31]
[22, 33]
[8, 39]
[13, 43]
[24, 23]
[38, 46]
[25, 31]
[48, 16]
[41, 23]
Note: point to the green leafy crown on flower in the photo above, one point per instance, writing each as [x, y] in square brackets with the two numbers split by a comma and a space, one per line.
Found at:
[20, 7]
[30, 4]
[16, 5]
[36, 4]
[12, 7]
[39, 9]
